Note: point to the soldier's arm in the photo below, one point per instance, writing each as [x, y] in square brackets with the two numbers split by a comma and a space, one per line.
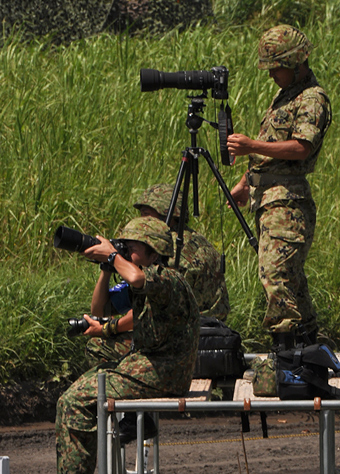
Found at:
[239, 145]
[122, 325]
[240, 192]
[100, 294]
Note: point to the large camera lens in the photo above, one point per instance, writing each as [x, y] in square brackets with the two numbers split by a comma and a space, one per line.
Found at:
[73, 240]
[153, 80]
[79, 326]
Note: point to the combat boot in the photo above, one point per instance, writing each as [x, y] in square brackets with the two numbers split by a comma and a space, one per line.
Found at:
[128, 428]
[282, 341]
[307, 339]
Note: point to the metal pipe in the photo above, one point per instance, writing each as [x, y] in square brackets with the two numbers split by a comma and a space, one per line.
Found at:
[102, 425]
[263, 405]
[140, 442]
[109, 436]
[156, 445]
[327, 441]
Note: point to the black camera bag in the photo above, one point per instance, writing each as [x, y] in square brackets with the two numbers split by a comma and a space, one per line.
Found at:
[302, 373]
[219, 351]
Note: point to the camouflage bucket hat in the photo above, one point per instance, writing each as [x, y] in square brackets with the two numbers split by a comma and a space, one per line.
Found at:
[283, 46]
[150, 231]
[159, 197]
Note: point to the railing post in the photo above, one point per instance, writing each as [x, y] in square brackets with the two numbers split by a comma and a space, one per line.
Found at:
[140, 442]
[327, 441]
[101, 425]
[156, 445]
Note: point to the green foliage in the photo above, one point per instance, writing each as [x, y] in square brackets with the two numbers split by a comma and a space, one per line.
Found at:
[267, 13]
[63, 21]
[79, 142]
[33, 323]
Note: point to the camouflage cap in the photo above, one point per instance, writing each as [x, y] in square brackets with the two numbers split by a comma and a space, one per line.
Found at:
[283, 46]
[150, 231]
[159, 197]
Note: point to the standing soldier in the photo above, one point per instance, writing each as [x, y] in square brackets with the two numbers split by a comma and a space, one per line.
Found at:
[285, 151]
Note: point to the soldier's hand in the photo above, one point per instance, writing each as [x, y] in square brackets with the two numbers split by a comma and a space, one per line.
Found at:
[95, 329]
[239, 144]
[240, 193]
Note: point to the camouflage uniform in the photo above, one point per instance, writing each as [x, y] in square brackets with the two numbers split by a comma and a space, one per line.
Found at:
[166, 332]
[279, 192]
[200, 265]
[199, 262]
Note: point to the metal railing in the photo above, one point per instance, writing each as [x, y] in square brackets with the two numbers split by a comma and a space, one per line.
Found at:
[326, 409]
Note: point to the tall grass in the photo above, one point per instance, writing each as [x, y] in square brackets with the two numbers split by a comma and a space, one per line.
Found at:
[79, 142]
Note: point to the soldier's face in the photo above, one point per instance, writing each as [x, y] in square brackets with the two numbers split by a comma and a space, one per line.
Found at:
[146, 211]
[138, 253]
[282, 76]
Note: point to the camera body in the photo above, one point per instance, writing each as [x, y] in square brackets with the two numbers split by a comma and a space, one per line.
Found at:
[217, 80]
[220, 88]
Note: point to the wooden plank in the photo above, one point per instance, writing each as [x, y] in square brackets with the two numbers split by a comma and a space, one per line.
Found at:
[334, 381]
[199, 391]
[244, 389]
[200, 388]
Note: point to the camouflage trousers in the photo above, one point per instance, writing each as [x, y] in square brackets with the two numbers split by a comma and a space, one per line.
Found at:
[103, 350]
[285, 232]
[76, 419]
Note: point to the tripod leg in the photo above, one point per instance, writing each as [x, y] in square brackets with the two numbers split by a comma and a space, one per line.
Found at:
[252, 240]
[177, 187]
[181, 224]
[194, 173]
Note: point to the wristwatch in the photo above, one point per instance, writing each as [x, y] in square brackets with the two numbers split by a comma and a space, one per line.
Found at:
[111, 258]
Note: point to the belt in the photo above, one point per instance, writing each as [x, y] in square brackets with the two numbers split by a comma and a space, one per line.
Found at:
[267, 179]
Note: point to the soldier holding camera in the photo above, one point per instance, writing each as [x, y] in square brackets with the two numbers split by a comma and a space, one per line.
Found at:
[165, 323]
[286, 149]
[199, 264]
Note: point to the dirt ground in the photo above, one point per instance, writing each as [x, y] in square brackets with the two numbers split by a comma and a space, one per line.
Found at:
[194, 445]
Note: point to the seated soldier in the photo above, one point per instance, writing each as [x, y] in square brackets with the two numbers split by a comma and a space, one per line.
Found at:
[199, 264]
[165, 324]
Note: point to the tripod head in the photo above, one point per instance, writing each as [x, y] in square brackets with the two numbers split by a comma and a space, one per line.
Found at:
[194, 121]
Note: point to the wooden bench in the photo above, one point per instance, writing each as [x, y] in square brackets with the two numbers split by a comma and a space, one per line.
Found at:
[110, 452]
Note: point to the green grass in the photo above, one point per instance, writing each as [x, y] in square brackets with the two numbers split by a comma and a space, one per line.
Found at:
[79, 142]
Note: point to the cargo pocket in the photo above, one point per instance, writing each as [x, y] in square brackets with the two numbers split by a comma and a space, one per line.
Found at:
[284, 223]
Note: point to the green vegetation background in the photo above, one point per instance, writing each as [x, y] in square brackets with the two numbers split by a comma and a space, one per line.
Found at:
[79, 142]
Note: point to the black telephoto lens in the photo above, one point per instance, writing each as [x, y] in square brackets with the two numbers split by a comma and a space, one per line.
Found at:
[153, 80]
[73, 240]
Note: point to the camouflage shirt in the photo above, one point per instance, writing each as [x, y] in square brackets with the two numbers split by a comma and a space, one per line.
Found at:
[300, 112]
[200, 266]
[166, 329]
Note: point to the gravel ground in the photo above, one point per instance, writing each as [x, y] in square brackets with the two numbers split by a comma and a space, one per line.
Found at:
[194, 445]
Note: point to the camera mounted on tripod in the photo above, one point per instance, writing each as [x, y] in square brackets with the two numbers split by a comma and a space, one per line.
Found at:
[216, 80]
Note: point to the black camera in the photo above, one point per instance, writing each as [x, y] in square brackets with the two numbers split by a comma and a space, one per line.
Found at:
[74, 241]
[79, 326]
[217, 80]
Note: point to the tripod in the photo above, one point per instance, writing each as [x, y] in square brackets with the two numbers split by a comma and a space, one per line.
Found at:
[188, 168]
